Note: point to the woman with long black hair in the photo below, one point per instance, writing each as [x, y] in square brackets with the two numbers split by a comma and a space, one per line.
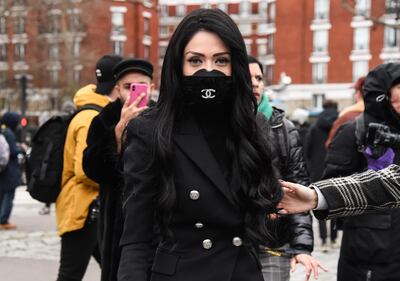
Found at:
[197, 167]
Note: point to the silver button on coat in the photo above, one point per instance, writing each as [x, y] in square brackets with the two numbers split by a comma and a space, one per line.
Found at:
[199, 225]
[194, 194]
[237, 241]
[207, 244]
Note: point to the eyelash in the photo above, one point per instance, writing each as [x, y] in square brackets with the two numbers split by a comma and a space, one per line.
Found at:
[221, 60]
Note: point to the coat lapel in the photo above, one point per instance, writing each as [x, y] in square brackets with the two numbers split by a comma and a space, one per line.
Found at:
[191, 141]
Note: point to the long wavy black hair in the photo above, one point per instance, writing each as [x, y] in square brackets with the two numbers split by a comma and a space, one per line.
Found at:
[247, 143]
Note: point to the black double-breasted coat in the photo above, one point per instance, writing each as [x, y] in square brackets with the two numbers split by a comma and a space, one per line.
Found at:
[207, 221]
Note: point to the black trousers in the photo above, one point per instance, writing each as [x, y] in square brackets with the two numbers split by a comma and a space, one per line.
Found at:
[76, 249]
[323, 232]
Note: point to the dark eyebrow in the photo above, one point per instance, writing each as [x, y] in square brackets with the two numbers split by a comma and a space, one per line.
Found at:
[223, 53]
[195, 53]
[202, 55]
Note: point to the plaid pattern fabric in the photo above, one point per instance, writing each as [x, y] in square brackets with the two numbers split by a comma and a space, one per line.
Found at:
[362, 193]
[275, 268]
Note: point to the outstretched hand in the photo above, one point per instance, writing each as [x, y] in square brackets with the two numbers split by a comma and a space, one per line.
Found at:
[297, 198]
[310, 263]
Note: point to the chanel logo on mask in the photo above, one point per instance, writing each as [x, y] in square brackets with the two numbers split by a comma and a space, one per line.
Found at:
[208, 93]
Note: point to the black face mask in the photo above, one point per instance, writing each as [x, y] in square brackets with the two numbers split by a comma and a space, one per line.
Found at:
[207, 88]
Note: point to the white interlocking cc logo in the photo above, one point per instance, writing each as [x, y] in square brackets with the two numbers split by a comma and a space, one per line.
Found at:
[208, 93]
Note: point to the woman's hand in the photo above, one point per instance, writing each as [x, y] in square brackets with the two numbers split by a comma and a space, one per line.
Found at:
[297, 198]
[310, 263]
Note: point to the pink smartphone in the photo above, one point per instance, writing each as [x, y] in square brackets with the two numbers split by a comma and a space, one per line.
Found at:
[135, 91]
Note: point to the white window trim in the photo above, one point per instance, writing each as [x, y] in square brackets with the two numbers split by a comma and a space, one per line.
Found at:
[146, 14]
[362, 23]
[360, 57]
[118, 9]
[118, 37]
[320, 26]
[319, 59]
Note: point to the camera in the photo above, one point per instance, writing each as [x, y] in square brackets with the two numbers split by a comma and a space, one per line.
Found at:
[379, 138]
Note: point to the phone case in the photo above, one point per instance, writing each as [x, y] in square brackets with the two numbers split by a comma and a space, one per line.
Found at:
[136, 90]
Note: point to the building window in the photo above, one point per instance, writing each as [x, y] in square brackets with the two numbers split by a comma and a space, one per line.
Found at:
[271, 12]
[163, 49]
[360, 68]
[244, 7]
[319, 73]
[163, 31]
[248, 45]
[19, 2]
[391, 37]
[19, 25]
[318, 100]
[54, 77]
[321, 9]
[3, 52]
[117, 20]
[262, 7]
[54, 23]
[180, 10]
[76, 48]
[206, 6]
[223, 6]
[269, 74]
[245, 28]
[363, 7]
[3, 25]
[361, 38]
[164, 10]
[270, 45]
[262, 49]
[391, 6]
[320, 41]
[146, 26]
[3, 84]
[54, 52]
[19, 52]
[146, 51]
[262, 28]
[77, 76]
[75, 22]
[118, 48]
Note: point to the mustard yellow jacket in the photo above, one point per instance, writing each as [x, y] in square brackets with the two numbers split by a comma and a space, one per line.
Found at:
[77, 191]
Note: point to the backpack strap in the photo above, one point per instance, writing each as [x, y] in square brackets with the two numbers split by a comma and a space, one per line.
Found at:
[91, 106]
[360, 133]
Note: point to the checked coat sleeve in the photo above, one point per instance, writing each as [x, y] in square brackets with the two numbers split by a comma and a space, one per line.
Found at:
[362, 193]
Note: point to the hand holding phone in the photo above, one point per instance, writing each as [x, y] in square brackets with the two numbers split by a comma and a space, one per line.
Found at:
[135, 91]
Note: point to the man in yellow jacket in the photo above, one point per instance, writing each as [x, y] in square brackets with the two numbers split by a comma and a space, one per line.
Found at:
[76, 203]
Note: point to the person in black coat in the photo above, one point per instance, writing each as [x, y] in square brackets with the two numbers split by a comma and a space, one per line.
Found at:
[295, 235]
[315, 152]
[197, 165]
[10, 178]
[370, 244]
[102, 155]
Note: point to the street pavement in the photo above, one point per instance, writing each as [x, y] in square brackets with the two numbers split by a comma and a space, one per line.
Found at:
[32, 251]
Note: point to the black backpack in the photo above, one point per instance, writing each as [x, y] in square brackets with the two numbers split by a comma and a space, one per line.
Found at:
[44, 165]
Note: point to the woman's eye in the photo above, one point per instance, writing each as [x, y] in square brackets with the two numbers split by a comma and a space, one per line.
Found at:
[259, 78]
[222, 61]
[194, 61]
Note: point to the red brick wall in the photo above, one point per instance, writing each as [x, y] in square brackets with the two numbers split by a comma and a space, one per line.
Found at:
[340, 44]
[293, 40]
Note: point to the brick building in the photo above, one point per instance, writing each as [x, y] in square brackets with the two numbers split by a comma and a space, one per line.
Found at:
[57, 43]
[319, 44]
